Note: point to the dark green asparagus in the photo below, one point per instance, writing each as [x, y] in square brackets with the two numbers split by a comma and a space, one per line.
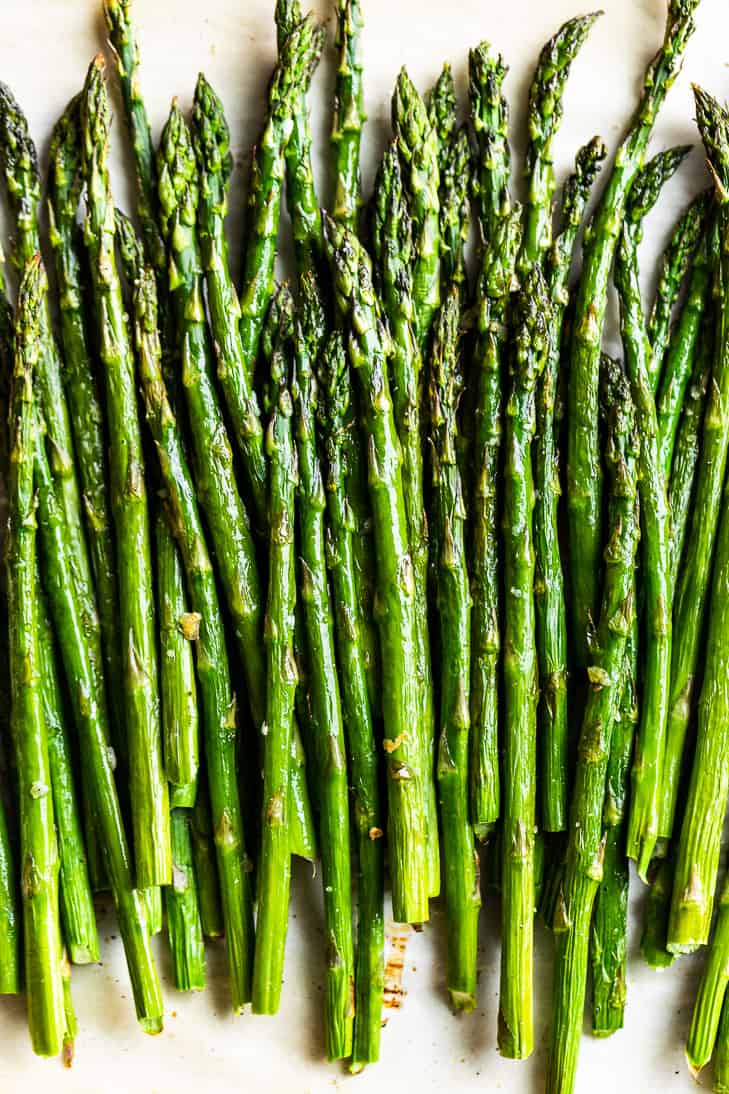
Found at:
[348, 116]
[204, 858]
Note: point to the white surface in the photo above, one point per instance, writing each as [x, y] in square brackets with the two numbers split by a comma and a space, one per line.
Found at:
[44, 48]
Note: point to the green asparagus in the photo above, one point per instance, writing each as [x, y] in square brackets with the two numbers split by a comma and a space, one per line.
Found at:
[348, 116]
[184, 925]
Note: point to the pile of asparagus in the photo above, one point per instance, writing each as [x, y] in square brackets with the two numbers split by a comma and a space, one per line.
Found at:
[379, 567]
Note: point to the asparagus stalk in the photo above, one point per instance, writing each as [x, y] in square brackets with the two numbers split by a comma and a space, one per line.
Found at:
[721, 1054]
[455, 168]
[418, 148]
[549, 590]
[393, 232]
[212, 147]
[70, 1024]
[84, 402]
[443, 114]
[584, 473]
[10, 913]
[453, 603]
[148, 786]
[348, 115]
[220, 499]
[544, 117]
[216, 694]
[38, 847]
[696, 870]
[583, 867]
[499, 238]
[184, 925]
[274, 868]
[521, 686]
[653, 941]
[179, 629]
[710, 996]
[368, 347]
[298, 59]
[206, 870]
[644, 818]
[337, 426]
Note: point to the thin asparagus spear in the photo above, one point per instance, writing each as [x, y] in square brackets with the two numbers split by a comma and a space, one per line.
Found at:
[184, 926]
[453, 602]
[348, 115]
[682, 348]
[329, 745]
[179, 628]
[274, 867]
[79, 644]
[608, 937]
[584, 856]
[443, 114]
[650, 745]
[70, 1024]
[216, 694]
[499, 225]
[206, 870]
[337, 427]
[211, 138]
[521, 685]
[297, 61]
[368, 347]
[38, 847]
[711, 992]
[148, 786]
[394, 249]
[455, 173]
[84, 403]
[549, 591]
[220, 500]
[10, 912]
[78, 918]
[545, 114]
[418, 148]
[584, 493]
[655, 925]
[721, 1053]
[677, 261]
[696, 864]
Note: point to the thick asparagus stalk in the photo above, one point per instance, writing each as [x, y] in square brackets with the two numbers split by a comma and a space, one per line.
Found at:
[216, 694]
[710, 996]
[348, 116]
[337, 425]
[583, 867]
[184, 925]
[499, 223]
[453, 601]
[521, 685]
[393, 233]
[38, 847]
[274, 867]
[584, 473]
[148, 786]
[369, 349]
[650, 746]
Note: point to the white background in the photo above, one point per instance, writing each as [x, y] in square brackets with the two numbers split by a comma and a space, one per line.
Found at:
[45, 46]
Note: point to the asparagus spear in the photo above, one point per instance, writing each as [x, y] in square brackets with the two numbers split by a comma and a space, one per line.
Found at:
[455, 173]
[10, 962]
[443, 114]
[393, 255]
[179, 628]
[216, 694]
[337, 426]
[583, 457]
[499, 237]
[226, 516]
[655, 926]
[84, 403]
[690, 907]
[329, 745]
[677, 261]
[544, 117]
[655, 520]
[418, 148]
[710, 996]
[148, 786]
[204, 859]
[212, 147]
[453, 603]
[549, 591]
[368, 347]
[584, 856]
[521, 686]
[721, 1053]
[38, 847]
[298, 59]
[348, 115]
[184, 925]
[274, 869]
